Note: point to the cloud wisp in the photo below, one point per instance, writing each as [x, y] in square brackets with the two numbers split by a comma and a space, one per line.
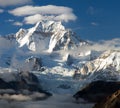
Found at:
[10, 20]
[33, 14]
[4, 3]
[1, 10]
[17, 23]
[94, 24]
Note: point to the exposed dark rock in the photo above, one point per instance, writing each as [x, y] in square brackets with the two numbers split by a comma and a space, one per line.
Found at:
[26, 82]
[69, 59]
[112, 101]
[8, 85]
[35, 63]
[96, 91]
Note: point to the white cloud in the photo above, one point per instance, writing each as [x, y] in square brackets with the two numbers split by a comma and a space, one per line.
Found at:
[37, 17]
[17, 23]
[50, 12]
[33, 19]
[13, 2]
[49, 9]
[103, 45]
[1, 10]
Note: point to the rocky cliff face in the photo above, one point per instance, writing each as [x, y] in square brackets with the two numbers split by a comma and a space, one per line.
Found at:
[112, 101]
[97, 91]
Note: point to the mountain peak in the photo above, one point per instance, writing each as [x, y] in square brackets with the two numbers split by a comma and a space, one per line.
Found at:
[107, 60]
[47, 35]
[48, 26]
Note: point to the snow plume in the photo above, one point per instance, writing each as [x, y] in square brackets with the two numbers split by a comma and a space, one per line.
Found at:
[13, 2]
[34, 14]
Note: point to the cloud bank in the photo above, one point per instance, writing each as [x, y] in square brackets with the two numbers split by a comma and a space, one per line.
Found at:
[33, 14]
[13, 2]
[102, 45]
[56, 101]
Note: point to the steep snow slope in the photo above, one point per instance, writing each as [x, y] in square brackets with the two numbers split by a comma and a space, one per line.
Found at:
[48, 35]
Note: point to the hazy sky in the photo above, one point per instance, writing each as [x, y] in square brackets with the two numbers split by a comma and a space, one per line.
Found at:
[90, 19]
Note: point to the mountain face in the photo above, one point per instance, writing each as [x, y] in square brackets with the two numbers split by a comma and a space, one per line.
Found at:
[106, 66]
[61, 65]
[45, 36]
[48, 35]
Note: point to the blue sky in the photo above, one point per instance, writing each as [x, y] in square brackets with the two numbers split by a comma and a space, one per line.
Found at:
[90, 19]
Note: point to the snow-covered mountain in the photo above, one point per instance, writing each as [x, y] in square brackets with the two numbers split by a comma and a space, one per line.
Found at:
[67, 69]
[48, 35]
[106, 66]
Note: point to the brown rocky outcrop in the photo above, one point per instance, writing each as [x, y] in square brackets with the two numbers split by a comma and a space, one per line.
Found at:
[97, 91]
[112, 101]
